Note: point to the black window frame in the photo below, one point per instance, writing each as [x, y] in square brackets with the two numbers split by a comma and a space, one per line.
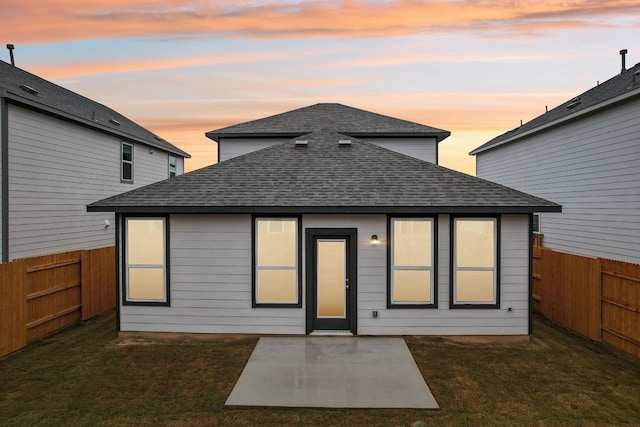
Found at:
[125, 263]
[175, 165]
[390, 268]
[123, 162]
[452, 271]
[254, 266]
[537, 223]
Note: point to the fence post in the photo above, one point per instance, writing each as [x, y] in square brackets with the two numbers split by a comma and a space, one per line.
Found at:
[599, 281]
[86, 287]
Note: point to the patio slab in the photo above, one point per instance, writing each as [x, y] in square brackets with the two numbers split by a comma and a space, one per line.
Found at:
[332, 372]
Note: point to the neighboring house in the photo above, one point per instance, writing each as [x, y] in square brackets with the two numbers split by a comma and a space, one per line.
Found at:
[325, 233]
[60, 151]
[585, 155]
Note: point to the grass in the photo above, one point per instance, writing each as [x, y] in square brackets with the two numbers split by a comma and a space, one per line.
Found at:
[83, 376]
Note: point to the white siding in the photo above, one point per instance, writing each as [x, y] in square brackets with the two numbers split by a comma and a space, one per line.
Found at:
[443, 320]
[592, 168]
[179, 165]
[56, 168]
[211, 283]
[372, 262]
[420, 148]
[234, 147]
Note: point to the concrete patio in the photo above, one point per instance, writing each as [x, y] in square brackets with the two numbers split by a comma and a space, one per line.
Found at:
[332, 372]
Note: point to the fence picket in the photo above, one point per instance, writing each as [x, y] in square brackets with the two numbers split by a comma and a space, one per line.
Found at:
[596, 297]
[42, 294]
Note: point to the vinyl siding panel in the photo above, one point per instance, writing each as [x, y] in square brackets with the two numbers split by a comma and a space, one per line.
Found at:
[592, 168]
[445, 321]
[56, 168]
[420, 148]
[179, 165]
[211, 283]
[234, 147]
[372, 260]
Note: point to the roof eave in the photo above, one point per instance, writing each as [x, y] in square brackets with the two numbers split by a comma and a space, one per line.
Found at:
[325, 209]
[625, 97]
[16, 99]
[215, 136]
[439, 135]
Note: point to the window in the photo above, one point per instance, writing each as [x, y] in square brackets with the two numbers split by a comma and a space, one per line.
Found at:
[411, 262]
[127, 162]
[172, 166]
[276, 254]
[145, 272]
[475, 271]
[536, 223]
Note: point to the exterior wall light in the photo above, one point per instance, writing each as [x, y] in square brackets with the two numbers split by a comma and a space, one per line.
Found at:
[374, 239]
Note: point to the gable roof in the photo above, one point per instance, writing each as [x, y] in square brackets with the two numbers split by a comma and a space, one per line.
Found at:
[341, 118]
[29, 90]
[620, 88]
[324, 177]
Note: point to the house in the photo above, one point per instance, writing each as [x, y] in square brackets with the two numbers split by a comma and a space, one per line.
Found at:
[60, 151]
[325, 232]
[585, 155]
[405, 137]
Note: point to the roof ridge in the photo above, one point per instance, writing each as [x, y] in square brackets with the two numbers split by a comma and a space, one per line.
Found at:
[60, 101]
[342, 118]
[598, 96]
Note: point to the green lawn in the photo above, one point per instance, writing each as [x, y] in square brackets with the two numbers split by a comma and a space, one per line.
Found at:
[83, 376]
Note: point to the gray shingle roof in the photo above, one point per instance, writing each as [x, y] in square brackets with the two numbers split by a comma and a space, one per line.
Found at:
[325, 177]
[16, 85]
[619, 86]
[341, 118]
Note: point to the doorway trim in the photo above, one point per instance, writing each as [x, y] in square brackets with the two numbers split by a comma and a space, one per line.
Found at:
[311, 236]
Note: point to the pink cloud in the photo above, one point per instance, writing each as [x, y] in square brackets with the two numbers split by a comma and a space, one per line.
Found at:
[60, 20]
[66, 70]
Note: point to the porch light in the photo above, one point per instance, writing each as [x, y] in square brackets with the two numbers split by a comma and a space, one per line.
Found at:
[374, 239]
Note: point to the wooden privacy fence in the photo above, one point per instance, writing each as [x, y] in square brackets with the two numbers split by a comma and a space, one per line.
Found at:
[43, 294]
[596, 297]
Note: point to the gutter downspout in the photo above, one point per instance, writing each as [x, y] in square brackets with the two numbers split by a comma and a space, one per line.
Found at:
[530, 274]
[4, 190]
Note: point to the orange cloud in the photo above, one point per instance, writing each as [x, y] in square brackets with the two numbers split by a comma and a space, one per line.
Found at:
[61, 20]
[66, 70]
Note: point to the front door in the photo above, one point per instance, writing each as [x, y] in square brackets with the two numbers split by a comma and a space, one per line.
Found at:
[331, 279]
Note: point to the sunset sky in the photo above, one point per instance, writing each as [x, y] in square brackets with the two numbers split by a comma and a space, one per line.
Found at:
[182, 68]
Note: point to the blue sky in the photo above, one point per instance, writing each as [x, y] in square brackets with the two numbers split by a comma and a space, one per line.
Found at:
[181, 68]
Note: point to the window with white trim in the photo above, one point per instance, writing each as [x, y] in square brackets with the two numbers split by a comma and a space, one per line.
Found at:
[411, 262]
[172, 166]
[276, 246]
[475, 245]
[126, 157]
[145, 266]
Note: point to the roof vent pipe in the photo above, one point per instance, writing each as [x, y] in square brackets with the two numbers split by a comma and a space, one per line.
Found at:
[11, 47]
[623, 53]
